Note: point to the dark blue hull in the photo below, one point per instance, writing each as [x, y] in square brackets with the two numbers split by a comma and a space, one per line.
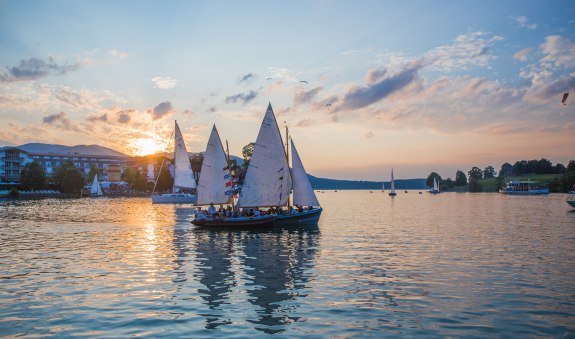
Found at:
[308, 217]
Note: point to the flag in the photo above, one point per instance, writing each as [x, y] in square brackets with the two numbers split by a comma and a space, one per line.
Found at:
[281, 169]
[228, 192]
[228, 184]
[227, 176]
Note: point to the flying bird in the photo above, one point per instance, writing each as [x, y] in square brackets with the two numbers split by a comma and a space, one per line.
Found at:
[303, 81]
[328, 105]
[268, 78]
[564, 98]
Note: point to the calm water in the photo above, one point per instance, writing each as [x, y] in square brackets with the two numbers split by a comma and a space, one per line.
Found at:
[435, 265]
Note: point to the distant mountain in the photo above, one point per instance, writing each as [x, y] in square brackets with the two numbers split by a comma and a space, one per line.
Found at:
[332, 184]
[78, 149]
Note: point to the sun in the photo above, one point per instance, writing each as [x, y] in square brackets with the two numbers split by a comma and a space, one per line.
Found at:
[146, 146]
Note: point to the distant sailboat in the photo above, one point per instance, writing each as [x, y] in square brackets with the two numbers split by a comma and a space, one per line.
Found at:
[383, 186]
[435, 189]
[183, 175]
[96, 190]
[392, 186]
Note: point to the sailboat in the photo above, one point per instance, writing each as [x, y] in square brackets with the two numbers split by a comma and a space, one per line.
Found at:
[183, 175]
[95, 190]
[216, 187]
[392, 186]
[383, 186]
[268, 180]
[435, 189]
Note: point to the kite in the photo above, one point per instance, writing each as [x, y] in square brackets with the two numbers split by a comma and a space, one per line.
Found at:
[564, 98]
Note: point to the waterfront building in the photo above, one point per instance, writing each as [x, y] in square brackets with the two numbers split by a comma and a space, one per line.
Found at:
[12, 162]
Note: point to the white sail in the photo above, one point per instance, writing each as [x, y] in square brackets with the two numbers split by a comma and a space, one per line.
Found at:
[303, 194]
[96, 190]
[392, 183]
[183, 175]
[267, 181]
[215, 178]
[435, 185]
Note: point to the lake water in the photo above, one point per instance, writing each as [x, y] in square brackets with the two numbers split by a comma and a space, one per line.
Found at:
[452, 264]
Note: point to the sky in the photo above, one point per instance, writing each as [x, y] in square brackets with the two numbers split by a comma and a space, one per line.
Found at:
[364, 86]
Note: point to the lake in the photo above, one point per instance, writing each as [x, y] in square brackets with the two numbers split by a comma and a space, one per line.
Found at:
[452, 264]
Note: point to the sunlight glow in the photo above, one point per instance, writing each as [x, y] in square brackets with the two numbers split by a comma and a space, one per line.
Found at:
[146, 146]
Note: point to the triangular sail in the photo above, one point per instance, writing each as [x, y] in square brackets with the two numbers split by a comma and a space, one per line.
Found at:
[435, 185]
[392, 184]
[267, 181]
[215, 178]
[96, 190]
[303, 194]
[183, 175]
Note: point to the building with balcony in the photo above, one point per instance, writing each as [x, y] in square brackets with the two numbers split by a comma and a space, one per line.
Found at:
[12, 162]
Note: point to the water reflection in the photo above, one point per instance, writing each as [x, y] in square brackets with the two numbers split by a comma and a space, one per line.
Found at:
[272, 267]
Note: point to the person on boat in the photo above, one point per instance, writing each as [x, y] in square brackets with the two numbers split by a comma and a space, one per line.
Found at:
[257, 213]
[211, 209]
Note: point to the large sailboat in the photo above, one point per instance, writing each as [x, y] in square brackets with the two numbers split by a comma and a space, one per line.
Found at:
[269, 181]
[216, 187]
[392, 186]
[183, 175]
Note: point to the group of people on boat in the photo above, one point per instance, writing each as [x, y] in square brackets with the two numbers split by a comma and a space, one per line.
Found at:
[229, 212]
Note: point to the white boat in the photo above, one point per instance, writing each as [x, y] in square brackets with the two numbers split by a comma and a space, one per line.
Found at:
[183, 175]
[435, 188]
[215, 184]
[571, 197]
[268, 180]
[392, 186]
[96, 190]
[524, 188]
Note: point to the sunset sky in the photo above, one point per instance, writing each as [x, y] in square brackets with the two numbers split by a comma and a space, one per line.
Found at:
[364, 86]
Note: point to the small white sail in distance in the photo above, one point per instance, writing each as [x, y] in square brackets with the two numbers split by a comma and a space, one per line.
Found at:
[268, 180]
[183, 174]
[392, 183]
[435, 185]
[96, 190]
[215, 177]
[303, 194]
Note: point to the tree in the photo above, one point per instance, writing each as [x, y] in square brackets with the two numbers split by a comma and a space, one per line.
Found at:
[67, 178]
[134, 178]
[506, 170]
[93, 171]
[474, 185]
[446, 184]
[165, 181]
[33, 177]
[475, 173]
[248, 151]
[559, 168]
[430, 177]
[489, 172]
[567, 180]
[460, 179]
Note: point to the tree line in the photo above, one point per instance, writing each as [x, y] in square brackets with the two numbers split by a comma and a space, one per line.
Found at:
[563, 181]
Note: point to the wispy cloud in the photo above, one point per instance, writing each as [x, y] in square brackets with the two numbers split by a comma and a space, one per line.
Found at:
[301, 96]
[523, 22]
[34, 68]
[61, 121]
[164, 82]
[522, 54]
[161, 110]
[246, 78]
[558, 52]
[244, 97]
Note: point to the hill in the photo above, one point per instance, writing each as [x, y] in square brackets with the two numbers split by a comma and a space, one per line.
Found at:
[332, 184]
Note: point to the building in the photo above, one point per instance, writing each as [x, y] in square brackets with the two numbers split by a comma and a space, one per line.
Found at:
[12, 162]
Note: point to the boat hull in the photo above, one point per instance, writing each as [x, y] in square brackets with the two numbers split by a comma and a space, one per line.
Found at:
[174, 199]
[571, 199]
[236, 223]
[532, 192]
[434, 192]
[392, 194]
[308, 217]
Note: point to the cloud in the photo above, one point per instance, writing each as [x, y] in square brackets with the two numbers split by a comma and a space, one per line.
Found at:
[245, 97]
[161, 110]
[59, 120]
[35, 68]
[103, 118]
[212, 109]
[188, 112]
[302, 97]
[359, 97]
[522, 54]
[466, 50]
[304, 123]
[368, 135]
[558, 52]
[164, 82]
[523, 22]
[124, 116]
[246, 78]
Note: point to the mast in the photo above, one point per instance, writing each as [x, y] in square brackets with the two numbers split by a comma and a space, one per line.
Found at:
[175, 161]
[162, 165]
[287, 158]
[231, 173]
